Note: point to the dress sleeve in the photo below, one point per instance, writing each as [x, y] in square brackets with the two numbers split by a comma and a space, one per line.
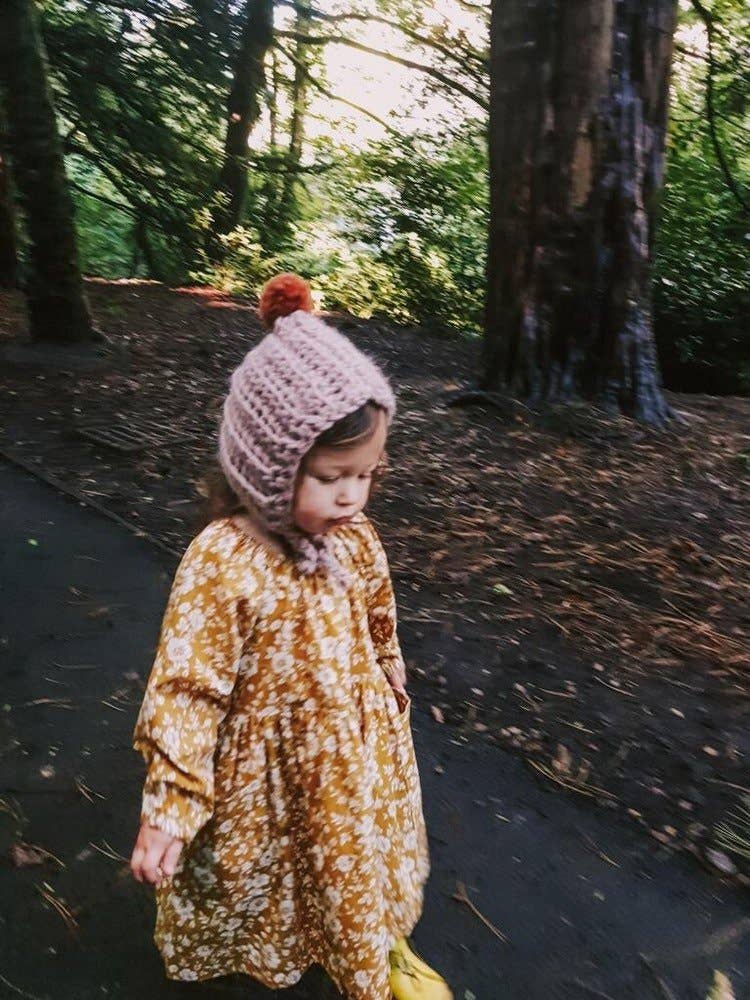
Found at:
[188, 694]
[381, 606]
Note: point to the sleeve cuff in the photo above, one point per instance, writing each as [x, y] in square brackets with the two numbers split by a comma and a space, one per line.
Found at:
[173, 810]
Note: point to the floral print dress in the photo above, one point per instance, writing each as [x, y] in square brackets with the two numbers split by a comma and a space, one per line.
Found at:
[278, 751]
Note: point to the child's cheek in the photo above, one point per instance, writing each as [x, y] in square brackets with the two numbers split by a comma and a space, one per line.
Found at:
[305, 507]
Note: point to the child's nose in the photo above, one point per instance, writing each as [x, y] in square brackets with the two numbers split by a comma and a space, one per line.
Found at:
[347, 494]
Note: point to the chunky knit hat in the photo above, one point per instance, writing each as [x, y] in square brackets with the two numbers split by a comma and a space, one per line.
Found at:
[301, 379]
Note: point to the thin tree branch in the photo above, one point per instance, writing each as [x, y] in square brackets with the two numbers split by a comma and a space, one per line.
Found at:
[456, 56]
[735, 59]
[482, 8]
[685, 50]
[103, 198]
[159, 217]
[707, 18]
[335, 97]
[743, 133]
[390, 57]
[119, 89]
[278, 163]
[153, 11]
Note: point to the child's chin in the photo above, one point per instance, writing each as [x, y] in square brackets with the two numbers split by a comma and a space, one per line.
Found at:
[322, 527]
[315, 527]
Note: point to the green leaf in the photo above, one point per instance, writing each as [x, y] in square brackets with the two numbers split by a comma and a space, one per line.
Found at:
[33, 541]
[500, 588]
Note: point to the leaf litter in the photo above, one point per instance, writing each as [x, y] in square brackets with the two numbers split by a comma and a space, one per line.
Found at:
[526, 544]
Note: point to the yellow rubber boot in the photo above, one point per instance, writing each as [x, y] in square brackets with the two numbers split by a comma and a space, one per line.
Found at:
[413, 979]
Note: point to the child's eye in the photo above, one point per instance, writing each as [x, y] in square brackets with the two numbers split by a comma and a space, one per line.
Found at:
[327, 480]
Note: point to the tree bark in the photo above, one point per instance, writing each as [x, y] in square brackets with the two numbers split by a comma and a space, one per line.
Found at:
[243, 111]
[57, 306]
[273, 103]
[144, 251]
[8, 248]
[297, 124]
[578, 111]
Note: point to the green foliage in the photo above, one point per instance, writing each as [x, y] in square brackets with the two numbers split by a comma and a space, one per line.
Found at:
[360, 283]
[702, 266]
[398, 228]
[139, 93]
[105, 234]
[244, 267]
[412, 242]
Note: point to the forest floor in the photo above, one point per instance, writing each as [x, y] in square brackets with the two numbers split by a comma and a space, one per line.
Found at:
[531, 894]
[574, 588]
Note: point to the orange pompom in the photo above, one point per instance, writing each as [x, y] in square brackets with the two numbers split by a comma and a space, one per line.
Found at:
[283, 295]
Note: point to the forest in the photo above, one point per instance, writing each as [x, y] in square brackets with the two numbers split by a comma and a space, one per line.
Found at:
[503, 173]
[534, 215]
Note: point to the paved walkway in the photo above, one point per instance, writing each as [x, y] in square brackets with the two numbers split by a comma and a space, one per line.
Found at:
[82, 600]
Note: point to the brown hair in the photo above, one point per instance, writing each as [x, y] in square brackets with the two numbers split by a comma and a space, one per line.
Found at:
[220, 500]
[352, 429]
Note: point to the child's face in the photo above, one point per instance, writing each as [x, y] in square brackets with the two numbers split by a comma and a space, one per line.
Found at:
[334, 483]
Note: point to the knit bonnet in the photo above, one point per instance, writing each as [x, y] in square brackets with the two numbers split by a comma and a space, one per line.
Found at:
[295, 384]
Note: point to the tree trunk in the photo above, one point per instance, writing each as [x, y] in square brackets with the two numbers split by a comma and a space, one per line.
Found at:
[244, 110]
[299, 97]
[578, 111]
[273, 102]
[145, 252]
[57, 306]
[8, 248]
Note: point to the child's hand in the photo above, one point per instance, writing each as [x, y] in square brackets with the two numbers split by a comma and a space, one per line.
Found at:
[397, 678]
[155, 855]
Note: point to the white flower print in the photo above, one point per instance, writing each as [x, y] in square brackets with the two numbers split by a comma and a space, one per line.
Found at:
[305, 815]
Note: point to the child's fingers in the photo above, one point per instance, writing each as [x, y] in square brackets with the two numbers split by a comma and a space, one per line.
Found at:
[171, 857]
[155, 855]
[136, 862]
[139, 853]
[151, 865]
[398, 681]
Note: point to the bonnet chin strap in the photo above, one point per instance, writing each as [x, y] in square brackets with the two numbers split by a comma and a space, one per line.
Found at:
[315, 552]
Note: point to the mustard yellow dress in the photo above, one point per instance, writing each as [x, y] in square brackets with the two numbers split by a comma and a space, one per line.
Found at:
[276, 748]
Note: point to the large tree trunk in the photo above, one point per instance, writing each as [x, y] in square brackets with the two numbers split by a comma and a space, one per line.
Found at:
[579, 97]
[243, 111]
[57, 306]
[8, 248]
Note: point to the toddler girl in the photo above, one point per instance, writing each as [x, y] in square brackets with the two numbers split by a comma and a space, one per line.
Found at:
[282, 817]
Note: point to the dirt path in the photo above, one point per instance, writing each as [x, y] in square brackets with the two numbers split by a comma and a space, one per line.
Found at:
[578, 896]
[573, 589]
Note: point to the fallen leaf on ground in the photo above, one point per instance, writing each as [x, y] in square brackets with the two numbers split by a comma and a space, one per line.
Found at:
[562, 760]
[26, 855]
[721, 989]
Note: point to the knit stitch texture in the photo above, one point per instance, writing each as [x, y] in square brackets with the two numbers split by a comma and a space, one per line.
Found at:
[301, 379]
